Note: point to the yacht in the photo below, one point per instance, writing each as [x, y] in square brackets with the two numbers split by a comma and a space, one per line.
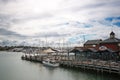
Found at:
[51, 63]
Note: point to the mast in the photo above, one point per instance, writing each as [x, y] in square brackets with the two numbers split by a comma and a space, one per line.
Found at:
[59, 45]
[46, 41]
[63, 44]
[83, 39]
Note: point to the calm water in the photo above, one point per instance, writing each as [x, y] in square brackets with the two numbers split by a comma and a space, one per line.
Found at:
[13, 68]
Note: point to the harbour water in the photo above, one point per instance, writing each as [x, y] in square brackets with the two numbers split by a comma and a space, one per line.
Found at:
[13, 68]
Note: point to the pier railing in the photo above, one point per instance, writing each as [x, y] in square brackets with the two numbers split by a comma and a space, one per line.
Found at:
[83, 63]
[98, 65]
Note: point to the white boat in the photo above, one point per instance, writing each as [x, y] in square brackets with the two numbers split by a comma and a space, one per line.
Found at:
[51, 63]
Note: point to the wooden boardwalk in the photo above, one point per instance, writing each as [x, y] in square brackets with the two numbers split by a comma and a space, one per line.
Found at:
[85, 65]
[96, 65]
[33, 58]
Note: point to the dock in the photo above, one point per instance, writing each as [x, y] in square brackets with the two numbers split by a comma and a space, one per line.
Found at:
[33, 58]
[95, 65]
[87, 65]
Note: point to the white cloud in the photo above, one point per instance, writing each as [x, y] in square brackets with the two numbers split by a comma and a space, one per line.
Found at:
[64, 18]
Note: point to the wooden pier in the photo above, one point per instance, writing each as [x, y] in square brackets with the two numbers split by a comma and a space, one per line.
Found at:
[87, 65]
[96, 65]
[33, 58]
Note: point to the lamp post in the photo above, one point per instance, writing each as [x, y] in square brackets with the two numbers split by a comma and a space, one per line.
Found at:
[118, 51]
[119, 46]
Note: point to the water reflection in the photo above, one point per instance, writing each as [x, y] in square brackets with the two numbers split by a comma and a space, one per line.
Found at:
[13, 68]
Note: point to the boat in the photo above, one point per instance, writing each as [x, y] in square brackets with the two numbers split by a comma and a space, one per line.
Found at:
[51, 63]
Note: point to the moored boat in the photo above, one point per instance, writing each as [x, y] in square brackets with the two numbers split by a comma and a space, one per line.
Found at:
[51, 63]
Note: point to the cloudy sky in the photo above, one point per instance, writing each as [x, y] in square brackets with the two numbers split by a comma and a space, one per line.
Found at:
[72, 21]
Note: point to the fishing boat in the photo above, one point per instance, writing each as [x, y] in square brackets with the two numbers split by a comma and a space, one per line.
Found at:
[51, 63]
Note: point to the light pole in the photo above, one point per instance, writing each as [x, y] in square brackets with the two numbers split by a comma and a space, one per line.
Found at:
[119, 50]
[119, 46]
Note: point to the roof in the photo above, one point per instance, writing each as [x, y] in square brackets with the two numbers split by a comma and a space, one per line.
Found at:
[49, 50]
[106, 50]
[79, 49]
[111, 40]
[93, 41]
[112, 33]
[84, 50]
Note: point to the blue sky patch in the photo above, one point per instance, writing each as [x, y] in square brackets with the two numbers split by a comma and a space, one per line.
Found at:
[112, 18]
[75, 38]
[109, 18]
[117, 24]
[87, 25]
[105, 23]
[81, 37]
[118, 18]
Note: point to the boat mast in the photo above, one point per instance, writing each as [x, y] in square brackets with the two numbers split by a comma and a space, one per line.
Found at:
[83, 39]
[46, 41]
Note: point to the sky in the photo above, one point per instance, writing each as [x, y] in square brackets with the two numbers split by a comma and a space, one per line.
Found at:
[57, 21]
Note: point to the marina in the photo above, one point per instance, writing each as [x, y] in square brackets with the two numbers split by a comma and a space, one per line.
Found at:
[59, 40]
[98, 66]
[13, 68]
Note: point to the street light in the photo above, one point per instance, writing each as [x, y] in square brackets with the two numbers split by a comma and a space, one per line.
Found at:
[119, 49]
[119, 46]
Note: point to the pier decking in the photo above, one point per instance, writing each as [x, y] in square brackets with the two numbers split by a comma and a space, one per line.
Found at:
[86, 65]
[96, 65]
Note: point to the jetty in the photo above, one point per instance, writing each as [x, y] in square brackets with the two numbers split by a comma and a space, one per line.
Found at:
[84, 60]
[99, 66]
[96, 65]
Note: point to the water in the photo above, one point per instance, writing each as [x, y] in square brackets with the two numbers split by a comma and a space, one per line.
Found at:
[13, 68]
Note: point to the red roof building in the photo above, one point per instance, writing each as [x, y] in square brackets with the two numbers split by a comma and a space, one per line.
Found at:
[92, 44]
[112, 42]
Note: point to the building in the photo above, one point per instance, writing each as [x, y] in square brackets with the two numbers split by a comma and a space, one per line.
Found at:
[112, 42]
[92, 44]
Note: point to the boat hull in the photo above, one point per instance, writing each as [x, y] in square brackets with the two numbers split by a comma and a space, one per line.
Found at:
[50, 64]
